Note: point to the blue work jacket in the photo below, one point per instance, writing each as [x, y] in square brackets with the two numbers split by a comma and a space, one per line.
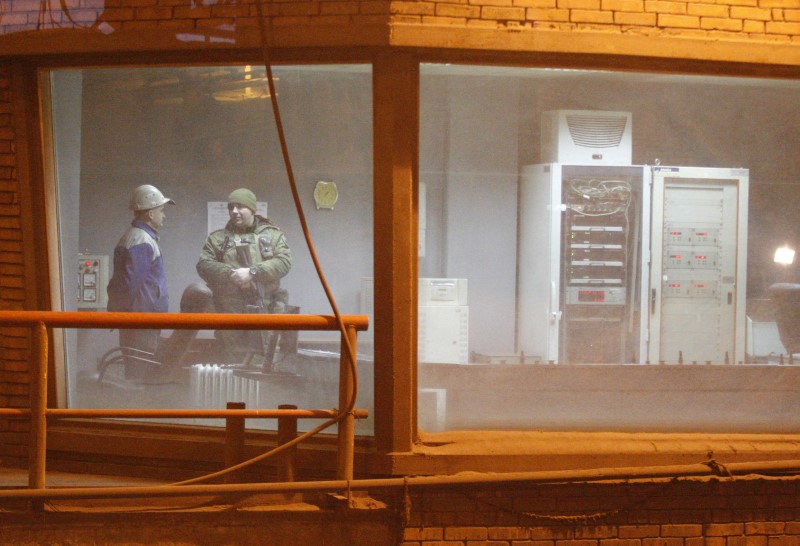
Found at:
[139, 283]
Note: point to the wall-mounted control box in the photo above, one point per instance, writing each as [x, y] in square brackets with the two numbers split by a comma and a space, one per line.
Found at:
[92, 281]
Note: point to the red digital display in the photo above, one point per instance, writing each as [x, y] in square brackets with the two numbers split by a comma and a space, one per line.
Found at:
[674, 285]
[676, 233]
[700, 257]
[700, 286]
[591, 295]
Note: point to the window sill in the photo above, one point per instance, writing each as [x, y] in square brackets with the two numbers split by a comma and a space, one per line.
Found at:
[483, 451]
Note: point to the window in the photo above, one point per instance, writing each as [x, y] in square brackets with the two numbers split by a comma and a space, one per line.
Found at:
[596, 250]
[197, 134]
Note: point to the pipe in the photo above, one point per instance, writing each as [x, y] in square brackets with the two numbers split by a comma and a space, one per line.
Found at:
[234, 441]
[38, 411]
[347, 393]
[287, 431]
[710, 468]
[181, 321]
[113, 413]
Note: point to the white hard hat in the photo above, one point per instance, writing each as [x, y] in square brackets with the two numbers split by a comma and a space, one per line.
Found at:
[148, 197]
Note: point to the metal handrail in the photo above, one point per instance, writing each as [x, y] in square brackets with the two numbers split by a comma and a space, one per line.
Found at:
[40, 321]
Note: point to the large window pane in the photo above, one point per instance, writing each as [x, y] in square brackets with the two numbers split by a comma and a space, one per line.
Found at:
[197, 134]
[597, 250]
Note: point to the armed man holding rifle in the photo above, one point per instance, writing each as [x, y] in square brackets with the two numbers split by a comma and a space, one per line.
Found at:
[243, 265]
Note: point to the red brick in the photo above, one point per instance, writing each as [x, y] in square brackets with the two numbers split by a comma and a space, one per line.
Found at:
[681, 530]
[550, 532]
[723, 529]
[783, 541]
[507, 533]
[764, 528]
[639, 531]
[466, 533]
[662, 542]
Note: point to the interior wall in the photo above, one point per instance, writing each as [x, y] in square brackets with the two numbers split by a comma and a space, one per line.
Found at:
[198, 150]
[481, 194]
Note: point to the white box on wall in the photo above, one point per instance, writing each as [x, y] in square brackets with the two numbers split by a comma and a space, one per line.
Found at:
[443, 326]
[587, 137]
[443, 334]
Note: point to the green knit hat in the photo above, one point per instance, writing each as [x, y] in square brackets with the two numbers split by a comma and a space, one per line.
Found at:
[243, 196]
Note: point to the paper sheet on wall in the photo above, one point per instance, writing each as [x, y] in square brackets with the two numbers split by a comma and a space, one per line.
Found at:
[218, 213]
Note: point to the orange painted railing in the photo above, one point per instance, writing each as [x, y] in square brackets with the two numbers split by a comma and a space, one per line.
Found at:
[40, 321]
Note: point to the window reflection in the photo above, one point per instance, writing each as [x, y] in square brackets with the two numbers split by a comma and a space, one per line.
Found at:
[616, 234]
[198, 134]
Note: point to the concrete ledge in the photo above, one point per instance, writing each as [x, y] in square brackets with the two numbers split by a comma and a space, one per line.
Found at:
[491, 451]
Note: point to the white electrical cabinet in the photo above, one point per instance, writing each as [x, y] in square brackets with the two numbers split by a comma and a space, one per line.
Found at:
[443, 323]
[699, 261]
[582, 262]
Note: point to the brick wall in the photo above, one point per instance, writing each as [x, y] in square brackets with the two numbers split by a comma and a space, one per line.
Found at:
[688, 512]
[184, 15]
[741, 512]
[29, 27]
[14, 342]
[770, 20]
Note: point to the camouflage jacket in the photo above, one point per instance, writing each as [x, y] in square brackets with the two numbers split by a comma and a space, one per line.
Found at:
[263, 245]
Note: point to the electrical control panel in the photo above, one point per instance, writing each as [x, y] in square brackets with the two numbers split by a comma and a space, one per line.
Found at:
[698, 278]
[581, 261]
[92, 281]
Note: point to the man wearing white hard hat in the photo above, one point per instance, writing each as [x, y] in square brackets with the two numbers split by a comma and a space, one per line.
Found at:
[139, 283]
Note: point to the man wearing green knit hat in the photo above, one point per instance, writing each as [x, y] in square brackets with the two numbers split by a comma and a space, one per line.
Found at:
[243, 264]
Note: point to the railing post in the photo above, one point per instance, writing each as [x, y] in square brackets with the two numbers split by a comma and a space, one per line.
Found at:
[346, 452]
[287, 460]
[38, 401]
[234, 442]
[287, 431]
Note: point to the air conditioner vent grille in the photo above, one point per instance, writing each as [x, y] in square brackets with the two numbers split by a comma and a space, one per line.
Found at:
[596, 131]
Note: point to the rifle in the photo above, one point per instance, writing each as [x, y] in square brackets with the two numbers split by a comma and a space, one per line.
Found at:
[254, 296]
[254, 303]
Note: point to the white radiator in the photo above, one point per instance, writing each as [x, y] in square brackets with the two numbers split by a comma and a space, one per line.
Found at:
[214, 385]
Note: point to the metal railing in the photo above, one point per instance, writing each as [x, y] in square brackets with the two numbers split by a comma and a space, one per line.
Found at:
[40, 321]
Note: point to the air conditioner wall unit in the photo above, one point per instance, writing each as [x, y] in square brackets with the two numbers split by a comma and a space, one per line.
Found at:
[587, 137]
